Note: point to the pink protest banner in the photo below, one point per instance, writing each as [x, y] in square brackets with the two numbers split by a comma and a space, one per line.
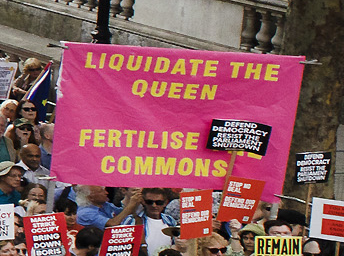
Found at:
[128, 116]
[121, 240]
[196, 214]
[240, 199]
[46, 235]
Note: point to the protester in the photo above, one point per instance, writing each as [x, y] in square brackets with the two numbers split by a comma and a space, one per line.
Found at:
[33, 191]
[31, 70]
[47, 134]
[8, 109]
[212, 245]
[27, 109]
[20, 246]
[18, 227]
[69, 208]
[30, 155]
[180, 245]
[154, 202]
[242, 240]
[7, 151]
[277, 228]
[7, 248]
[296, 220]
[36, 207]
[262, 213]
[127, 194]
[21, 134]
[87, 242]
[311, 247]
[10, 176]
[95, 210]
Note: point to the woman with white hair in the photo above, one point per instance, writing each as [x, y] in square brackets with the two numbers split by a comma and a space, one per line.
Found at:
[8, 109]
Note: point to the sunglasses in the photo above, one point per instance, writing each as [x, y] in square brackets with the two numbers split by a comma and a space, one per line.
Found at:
[34, 69]
[216, 250]
[22, 128]
[29, 109]
[157, 202]
[21, 250]
[175, 233]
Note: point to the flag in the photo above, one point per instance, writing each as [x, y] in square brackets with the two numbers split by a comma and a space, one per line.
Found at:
[39, 92]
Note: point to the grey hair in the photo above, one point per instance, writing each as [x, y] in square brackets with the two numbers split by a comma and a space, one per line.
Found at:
[8, 101]
[82, 193]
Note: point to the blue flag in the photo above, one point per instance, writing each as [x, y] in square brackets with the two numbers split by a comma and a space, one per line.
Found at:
[39, 92]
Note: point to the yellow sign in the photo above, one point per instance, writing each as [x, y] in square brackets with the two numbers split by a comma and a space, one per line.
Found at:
[276, 246]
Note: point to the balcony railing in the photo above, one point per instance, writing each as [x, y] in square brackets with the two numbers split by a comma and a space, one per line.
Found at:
[262, 22]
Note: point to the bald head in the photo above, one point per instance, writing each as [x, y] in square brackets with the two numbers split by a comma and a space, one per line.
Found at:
[47, 131]
[31, 156]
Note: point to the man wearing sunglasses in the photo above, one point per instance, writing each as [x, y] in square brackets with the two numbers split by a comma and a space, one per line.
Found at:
[154, 203]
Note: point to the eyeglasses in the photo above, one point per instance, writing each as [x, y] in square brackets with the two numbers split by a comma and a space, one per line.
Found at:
[34, 69]
[175, 233]
[22, 128]
[157, 202]
[216, 250]
[29, 109]
[21, 250]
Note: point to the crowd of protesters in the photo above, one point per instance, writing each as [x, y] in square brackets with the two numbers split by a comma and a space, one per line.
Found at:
[25, 157]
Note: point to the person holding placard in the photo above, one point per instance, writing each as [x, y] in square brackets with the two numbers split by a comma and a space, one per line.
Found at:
[154, 202]
[95, 210]
[242, 240]
[277, 228]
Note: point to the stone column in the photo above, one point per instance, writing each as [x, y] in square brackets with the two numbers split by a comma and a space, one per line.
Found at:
[248, 35]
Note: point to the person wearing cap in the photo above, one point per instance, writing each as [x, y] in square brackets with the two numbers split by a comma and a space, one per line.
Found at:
[30, 155]
[10, 177]
[7, 151]
[242, 240]
[296, 220]
[21, 134]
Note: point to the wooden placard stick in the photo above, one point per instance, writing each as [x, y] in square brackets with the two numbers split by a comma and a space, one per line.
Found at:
[229, 173]
[337, 248]
[309, 197]
[193, 246]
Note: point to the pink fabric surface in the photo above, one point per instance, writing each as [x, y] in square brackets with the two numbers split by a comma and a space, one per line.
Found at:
[102, 98]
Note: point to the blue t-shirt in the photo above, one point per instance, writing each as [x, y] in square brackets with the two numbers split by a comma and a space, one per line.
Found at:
[97, 216]
[11, 198]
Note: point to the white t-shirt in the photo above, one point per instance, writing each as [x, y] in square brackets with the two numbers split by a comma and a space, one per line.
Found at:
[154, 237]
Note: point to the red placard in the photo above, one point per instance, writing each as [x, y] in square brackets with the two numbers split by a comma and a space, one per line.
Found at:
[46, 235]
[121, 240]
[196, 214]
[332, 227]
[240, 199]
[335, 210]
